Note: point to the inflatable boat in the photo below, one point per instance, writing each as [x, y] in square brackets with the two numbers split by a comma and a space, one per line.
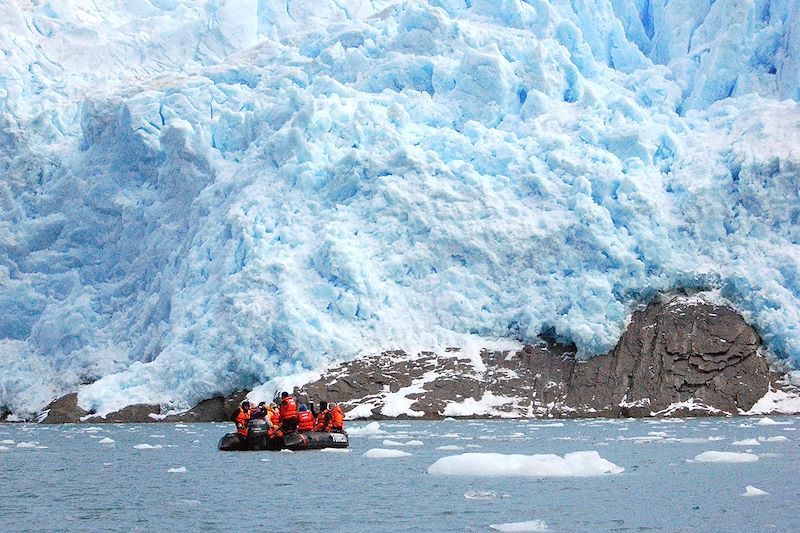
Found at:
[258, 439]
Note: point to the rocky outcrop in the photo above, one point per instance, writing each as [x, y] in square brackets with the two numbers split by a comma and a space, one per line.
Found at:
[683, 357]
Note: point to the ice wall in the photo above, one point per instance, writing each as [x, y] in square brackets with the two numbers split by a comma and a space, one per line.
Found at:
[202, 197]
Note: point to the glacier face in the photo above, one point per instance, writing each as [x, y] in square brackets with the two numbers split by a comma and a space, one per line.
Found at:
[199, 197]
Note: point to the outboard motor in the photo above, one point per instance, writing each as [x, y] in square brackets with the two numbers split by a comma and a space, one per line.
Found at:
[257, 434]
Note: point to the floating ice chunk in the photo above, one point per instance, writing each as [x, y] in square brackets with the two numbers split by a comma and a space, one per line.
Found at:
[7, 441]
[450, 447]
[752, 491]
[92, 429]
[388, 442]
[746, 442]
[448, 419]
[576, 464]
[177, 470]
[146, 446]
[158, 436]
[384, 453]
[5, 449]
[725, 457]
[287, 451]
[106, 440]
[484, 495]
[373, 428]
[27, 445]
[181, 426]
[532, 525]
[335, 450]
[766, 421]
[779, 438]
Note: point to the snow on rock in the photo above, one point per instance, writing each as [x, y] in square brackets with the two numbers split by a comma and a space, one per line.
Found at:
[384, 453]
[575, 464]
[780, 401]
[531, 525]
[487, 405]
[753, 491]
[205, 186]
[725, 457]
[373, 428]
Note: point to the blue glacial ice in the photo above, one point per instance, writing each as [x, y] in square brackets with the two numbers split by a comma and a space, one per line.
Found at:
[199, 197]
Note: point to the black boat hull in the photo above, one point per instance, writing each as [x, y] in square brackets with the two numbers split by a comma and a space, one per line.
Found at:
[258, 439]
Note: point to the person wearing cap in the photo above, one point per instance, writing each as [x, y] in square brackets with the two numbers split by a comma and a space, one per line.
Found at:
[323, 422]
[288, 412]
[242, 417]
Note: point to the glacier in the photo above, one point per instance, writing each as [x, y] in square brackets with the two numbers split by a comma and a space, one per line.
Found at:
[199, 197]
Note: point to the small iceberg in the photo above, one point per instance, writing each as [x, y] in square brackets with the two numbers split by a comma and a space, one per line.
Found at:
[450, 448]
[384, 453]
[725, 457]
[484, 495]
[177, 470]
[373, 428]
[335, 450]
[532, 525]
[106, 440]
[146, 447]
[27, 445]
[746, 442]
[752, 491]
[575, 464]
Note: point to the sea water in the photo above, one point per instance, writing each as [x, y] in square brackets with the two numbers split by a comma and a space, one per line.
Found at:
[170, 477]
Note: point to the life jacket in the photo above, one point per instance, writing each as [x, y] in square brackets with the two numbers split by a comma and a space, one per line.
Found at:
[323, 421]
[288, 409]
[305, 421]
[337, 418]
[242, 417]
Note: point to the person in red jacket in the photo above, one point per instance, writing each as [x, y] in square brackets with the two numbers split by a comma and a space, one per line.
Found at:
[288, 412]
[305, 420]
[241, 418]
[337, 418]
[323, 418]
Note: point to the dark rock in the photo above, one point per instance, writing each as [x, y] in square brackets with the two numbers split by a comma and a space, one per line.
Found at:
[683, 357]
[216, 409]
[64, 410]
[133, 414]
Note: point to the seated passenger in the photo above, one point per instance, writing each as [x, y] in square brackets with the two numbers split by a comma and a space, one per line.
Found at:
[241, 418]
[305, 420]
[288, 412]
[337, 418]
[274, 421]
[323, 422]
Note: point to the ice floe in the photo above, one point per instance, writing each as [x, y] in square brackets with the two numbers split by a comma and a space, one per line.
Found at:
[575, 464]
[373, 428]
[384, 453]
[753, 491]
[106, 440]
[177, 470]
[517, 527]
[145, 446]
[725, 457]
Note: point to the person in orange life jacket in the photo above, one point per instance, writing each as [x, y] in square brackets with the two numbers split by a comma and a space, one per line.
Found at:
[337, 418]
[305, 420]
[288, 412]
[273, 421]
[241, 418]
[323, 422]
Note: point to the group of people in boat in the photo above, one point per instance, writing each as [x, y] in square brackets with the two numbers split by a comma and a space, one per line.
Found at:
[289, 416]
